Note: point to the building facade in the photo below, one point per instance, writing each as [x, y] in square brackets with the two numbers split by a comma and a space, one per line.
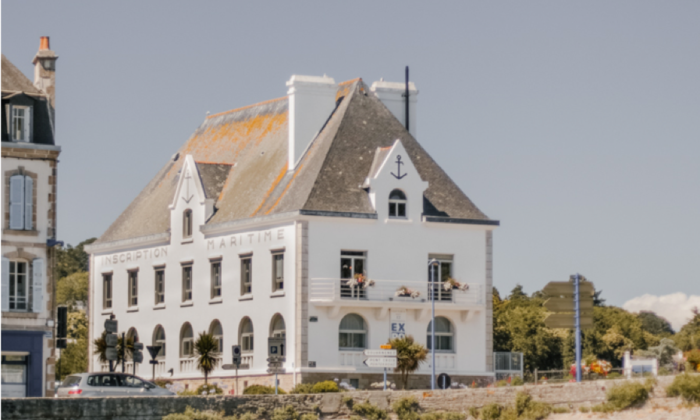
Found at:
[29, 157]
[311, 217]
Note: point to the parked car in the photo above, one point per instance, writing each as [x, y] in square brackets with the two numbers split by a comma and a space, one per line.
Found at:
[106, 384]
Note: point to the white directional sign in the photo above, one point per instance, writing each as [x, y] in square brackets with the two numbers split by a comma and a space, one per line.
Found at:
[232, 367]
[381, 362]
[380, 353]
[278, 370]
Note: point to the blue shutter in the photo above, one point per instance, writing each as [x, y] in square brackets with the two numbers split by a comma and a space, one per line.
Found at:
[17, 202]
[5, 284]
[38, 285]
[28, 202]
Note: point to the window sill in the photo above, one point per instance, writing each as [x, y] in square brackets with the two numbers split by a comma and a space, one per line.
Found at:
[216, 300]
[20, 232]
[246, 297]
[277, 293]
[187, 241]
[132, 309]
[186, 303]
[108, 311]
[159, 306]
[13, 313]
[397, 220]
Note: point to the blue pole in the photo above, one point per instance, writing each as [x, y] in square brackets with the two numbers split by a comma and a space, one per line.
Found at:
[432, 323]
[578, 327]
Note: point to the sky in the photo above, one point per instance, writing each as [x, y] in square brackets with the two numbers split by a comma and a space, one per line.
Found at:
[576, 124]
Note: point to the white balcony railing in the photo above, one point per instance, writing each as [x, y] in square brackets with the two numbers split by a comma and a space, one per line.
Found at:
[188, 365]
[442, 361]
[338, 290]
[247, 359]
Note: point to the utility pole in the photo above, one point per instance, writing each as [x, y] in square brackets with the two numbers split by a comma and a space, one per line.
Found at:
[577, 303]
[432, 264]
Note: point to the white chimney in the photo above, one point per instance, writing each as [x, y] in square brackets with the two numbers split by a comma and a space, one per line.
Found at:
[393, 96]
[311, 102]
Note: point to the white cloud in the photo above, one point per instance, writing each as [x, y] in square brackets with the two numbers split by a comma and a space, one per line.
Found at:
[676, 307]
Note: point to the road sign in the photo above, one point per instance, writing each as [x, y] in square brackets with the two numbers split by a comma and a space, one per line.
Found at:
[567, 321]
[236, 350]
[276, 370]
[379, 353]
[381, 362]
[275, 347]
[138, 346]
[111, 353]
[565, 288]
[385, 346]
[111, 325]
[138, 357]
[276, 359]
[111, 340]
[232, 367]
[444, 381]
[567, 304]
[153, 350]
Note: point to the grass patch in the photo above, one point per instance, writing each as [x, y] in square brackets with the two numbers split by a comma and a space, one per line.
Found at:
[369, 411]
[192, 414]
[625, 395]
[406, 408]
[525, 408]
[685, 386]
[262, 389]
[560, 410]
[491, 412]
[289, 413]
[584, 409]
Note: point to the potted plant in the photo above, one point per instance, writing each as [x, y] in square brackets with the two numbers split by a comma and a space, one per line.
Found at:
[360, 280]
[404, 291]
[452, 284]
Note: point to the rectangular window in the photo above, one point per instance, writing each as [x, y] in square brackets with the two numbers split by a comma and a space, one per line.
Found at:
[277, 271]
[215, 279]
[133, 288]
[440, 273]
[20, 123]
[160, 285]
[107, 290]
[19, 290]
[187, 282]
[352, 268]
[246, 274]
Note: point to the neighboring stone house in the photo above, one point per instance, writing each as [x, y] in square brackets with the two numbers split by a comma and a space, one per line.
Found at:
[267, 221]
[29, 157]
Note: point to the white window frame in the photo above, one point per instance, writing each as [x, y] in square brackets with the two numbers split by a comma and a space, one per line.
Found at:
[440, 292]
[26, 123]
[133, 285]
[215, 272]
[13, 292]
[159, 284]
[397, 204]
[277, 270]
[187, 224]
[353, 257]
[352, 333]
[158, 341]
[107, 282]
[439, 334]
[186, 343]
[187, 270]
[219, 338]
[247, 338]
[246, 276]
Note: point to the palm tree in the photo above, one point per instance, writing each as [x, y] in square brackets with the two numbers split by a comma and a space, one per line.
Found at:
[207, 351]
[100, 348]
[409, 356]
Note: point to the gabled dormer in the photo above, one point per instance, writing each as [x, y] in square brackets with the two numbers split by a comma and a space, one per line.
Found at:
[395, 188]
[190, 208]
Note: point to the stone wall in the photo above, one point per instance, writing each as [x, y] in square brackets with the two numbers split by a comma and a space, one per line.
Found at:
[330, 406]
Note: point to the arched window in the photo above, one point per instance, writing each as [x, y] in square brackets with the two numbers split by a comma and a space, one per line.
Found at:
[353, 333]
[279, 330]
[443, 335]
[186, 341]
[218, 333]
[187, 223]
[159, 340]
[132, 335]
[245, 335]
[397, 204]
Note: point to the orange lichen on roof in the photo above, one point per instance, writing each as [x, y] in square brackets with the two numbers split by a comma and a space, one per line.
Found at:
[277, 180]
[291, 181]
[246, 107]
[212, 163]
[344, 87]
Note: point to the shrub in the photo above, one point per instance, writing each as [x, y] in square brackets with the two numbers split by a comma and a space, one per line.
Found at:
[693, 357]
[560, 410]
[325, 386]
[192, 414]
[517, 381]
[501, 383]
[474, 412]
[302, 389]
[248, 416]
[614, 375]
[491, 412]
[625, 395]
[348, 401]
[187, 392]
[442, 415]
[369, 411]
[162, 382]
[207, 389]
[526, 407]
[685, 386]
[406, 408]
[262, 389]
[584, 409]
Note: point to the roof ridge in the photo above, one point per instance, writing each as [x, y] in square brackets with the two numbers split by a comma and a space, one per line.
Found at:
[347, 82]
[212, 163]
[246, 107]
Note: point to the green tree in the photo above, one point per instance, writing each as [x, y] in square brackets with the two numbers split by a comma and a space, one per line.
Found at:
[71, 260]
[688, 338]
[409, 356]
[207, 351]
[74, 358]
[72, 289]
[655, 324]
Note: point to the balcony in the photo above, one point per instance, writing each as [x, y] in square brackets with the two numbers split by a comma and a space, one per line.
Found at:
[443, 361]
[336, 293]
[188, 365]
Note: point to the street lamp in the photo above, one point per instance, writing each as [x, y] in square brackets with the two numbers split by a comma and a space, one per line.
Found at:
[432, 263]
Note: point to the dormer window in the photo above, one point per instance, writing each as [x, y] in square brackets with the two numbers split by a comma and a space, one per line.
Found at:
[397, 204]
[20, 123]
[187, 224]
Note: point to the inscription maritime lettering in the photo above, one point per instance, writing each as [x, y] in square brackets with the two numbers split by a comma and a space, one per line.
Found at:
[145, 254]
[244, 239]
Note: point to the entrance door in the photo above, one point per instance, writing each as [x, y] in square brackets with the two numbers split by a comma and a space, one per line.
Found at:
[14, 376]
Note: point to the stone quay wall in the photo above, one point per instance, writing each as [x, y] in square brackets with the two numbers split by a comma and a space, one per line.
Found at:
[329, 406]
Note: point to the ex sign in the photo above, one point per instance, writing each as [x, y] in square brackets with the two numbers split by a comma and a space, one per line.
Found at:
[398, 323]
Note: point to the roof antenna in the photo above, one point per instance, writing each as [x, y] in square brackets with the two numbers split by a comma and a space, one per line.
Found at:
[406, 96]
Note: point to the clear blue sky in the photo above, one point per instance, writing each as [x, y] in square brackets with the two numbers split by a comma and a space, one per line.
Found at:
[575, 124]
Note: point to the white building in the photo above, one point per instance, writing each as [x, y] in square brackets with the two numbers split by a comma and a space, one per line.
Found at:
[29, 159]
[258, 225]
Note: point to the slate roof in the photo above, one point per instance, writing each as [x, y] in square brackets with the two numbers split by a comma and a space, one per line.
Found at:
[14, 80]
[242, 157]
